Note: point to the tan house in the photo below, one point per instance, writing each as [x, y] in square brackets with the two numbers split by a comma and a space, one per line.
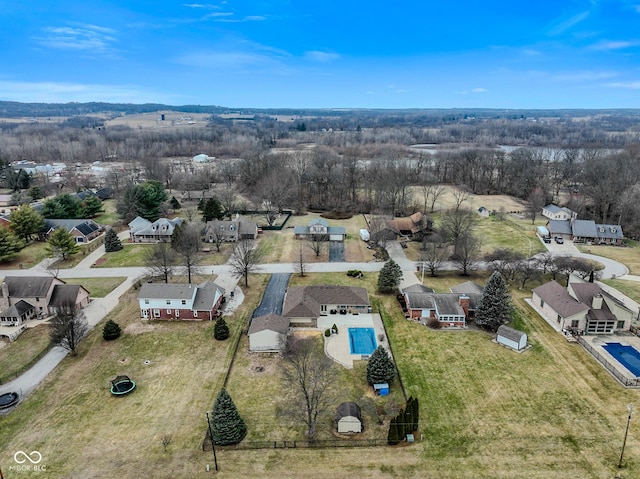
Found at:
[304, 304]
[268, 333]
[230, 231]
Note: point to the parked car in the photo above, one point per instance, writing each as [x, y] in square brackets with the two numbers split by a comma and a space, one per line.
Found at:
[547, 239]
[559, 239]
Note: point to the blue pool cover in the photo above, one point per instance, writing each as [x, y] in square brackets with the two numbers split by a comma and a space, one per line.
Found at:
[362, 340]
[628, 356]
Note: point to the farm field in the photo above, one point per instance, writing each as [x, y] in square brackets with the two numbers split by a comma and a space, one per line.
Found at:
[486, 412]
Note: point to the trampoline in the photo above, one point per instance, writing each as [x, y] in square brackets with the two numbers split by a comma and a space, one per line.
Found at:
[122, 385]
[362, 341]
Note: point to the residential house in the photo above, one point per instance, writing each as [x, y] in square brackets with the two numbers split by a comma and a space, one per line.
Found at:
[554, 212]
[83, 230]
[391, 229]
[105, 193]
[240, 228]
[473, 291]
[304, 304]
[586, 231]
[319, 229]
[160, 231]
[349, 418]
[581, 308]
[180, 301]
[268, 333]
[28, 297]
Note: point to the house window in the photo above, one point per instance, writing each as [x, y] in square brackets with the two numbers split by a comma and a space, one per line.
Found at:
[620, 324]
[156, 313]
[177, 313]
[184, 301]
[575, 323]
[146, 301]
[168, 311]
[195, 314]
[168, 301]
[323, 308]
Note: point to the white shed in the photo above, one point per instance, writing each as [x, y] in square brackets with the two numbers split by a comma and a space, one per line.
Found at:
[512, 338]
[364, 235]
[268, 333]
[349, 418]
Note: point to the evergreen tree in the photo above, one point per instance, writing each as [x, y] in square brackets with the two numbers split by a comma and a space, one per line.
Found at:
[389, 277]
[221, 330]
[175, 204]
[408, 418]
[62, 244]
[400, 426]
[392, 436]
[495, 307]
[380, 368]
[91, 207]
[227, 427]
[111, 330]
[25, 221]
[212, 210]
[111, 241]
[416, 414]
[10, 245]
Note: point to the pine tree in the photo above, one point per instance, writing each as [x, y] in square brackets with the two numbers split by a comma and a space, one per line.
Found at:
[495, 307]
[389, 277]
[392, 436]
[416, 414]
[212, 210]
[175, 204]
[62, 244]
[408, 418]
[111, 241]
[227, 427]
[10, 245]
[380, 368]
[221, 330]
[400, 426]
[111, 330]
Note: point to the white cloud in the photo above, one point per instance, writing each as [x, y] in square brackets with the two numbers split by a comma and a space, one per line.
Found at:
[250, 18]
[582, 76]
[60, 92]
[629, 85]
[205, 6]
[563, 24]
[78, 37]
[318, 56]
[606, 45]
[479, 90]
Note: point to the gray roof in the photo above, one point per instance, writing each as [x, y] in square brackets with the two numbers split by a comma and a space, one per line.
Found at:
[206, 296]
[510, 333]
[319, 221]
[270, 322]
[559, 299]
[419, 300]
[17, 310]
[417, 288]
[167, 291]
[468, 287]
[553, 208]
[139, 223]
[305, 301]
[447, 304]
[349, 409]
[584, 229]
[609, 231]
[559, 227]
[29, 286]
[85, 226]
[336, 230]
[64, 294]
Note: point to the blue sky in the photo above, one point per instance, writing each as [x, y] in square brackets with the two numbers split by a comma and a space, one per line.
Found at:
[325, 54]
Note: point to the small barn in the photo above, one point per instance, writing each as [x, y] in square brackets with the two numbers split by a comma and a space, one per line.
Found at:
[349, 418]
[512, 338]
[268, 333]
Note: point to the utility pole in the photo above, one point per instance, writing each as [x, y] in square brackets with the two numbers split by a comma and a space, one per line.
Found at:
[213, 444]
[624, 442]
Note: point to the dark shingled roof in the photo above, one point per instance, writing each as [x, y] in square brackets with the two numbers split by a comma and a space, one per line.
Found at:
[206, 296]
[16, 310]
[349, 409]
[417, 288]
[584, 229]
[29, 286]
[559, 299]
[559, 227]
[271, 322]
[64, 294]
[420, 300]
[167, 291]
[448, 304]
[305, 301]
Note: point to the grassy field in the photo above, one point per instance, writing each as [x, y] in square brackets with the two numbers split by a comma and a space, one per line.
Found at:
[14, 357]
[30, 256]
[134, 254]
[629, 288]
[98, 287]
[629, 255]
[551, 412]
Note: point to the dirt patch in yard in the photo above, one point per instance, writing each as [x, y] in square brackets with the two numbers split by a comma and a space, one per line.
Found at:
[140, 328]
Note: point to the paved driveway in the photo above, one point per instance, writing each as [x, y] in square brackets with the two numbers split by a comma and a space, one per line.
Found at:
[336, 251]
[274, 295]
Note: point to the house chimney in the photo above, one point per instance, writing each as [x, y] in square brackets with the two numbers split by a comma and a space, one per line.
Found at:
[596, 302]
[464, 303]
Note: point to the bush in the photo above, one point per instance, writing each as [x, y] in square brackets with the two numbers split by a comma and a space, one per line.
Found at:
[111, 330]
[334, 328]
[434, 324]
[221, 330]
[327, 332]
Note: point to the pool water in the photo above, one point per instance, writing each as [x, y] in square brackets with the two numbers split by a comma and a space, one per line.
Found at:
[362, 340]
[628, 356]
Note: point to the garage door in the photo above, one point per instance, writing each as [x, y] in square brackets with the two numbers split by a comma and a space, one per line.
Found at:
[335, 237]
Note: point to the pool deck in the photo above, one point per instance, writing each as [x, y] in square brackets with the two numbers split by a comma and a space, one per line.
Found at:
[598, 342]
[337, 345]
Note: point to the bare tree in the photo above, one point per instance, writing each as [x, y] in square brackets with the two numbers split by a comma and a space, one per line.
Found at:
[434, 255]
[186, 243]
[535, 202]
[317, 243]
[160, 260]
[455, 224]
[460, 196]
[309, 373]
[301, 266]
[432, 192]
[245, 260]
[68, 326]
[467, 253]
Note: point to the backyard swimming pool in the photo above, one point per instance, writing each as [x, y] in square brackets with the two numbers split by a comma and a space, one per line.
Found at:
[628, 356]
[362, 340]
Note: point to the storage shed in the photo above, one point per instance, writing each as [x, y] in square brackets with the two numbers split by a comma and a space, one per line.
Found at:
[381, 389]
[512, 338]
[364, 235]
[349, 418]
[268, 333]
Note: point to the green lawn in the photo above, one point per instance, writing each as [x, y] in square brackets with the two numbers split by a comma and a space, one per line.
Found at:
[31, 255]
[17, 356]
[629, 288]
[98, 287]
[134, 254]
[628, 255]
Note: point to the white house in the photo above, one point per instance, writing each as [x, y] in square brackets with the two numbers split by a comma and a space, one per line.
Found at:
[180, 301]
[268, 333]
[512, 338]
[554, 212]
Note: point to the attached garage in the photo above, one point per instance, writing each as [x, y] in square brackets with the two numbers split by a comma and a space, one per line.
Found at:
[511, 338]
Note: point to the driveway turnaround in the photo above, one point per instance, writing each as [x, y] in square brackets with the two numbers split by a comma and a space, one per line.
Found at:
[274, 295]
